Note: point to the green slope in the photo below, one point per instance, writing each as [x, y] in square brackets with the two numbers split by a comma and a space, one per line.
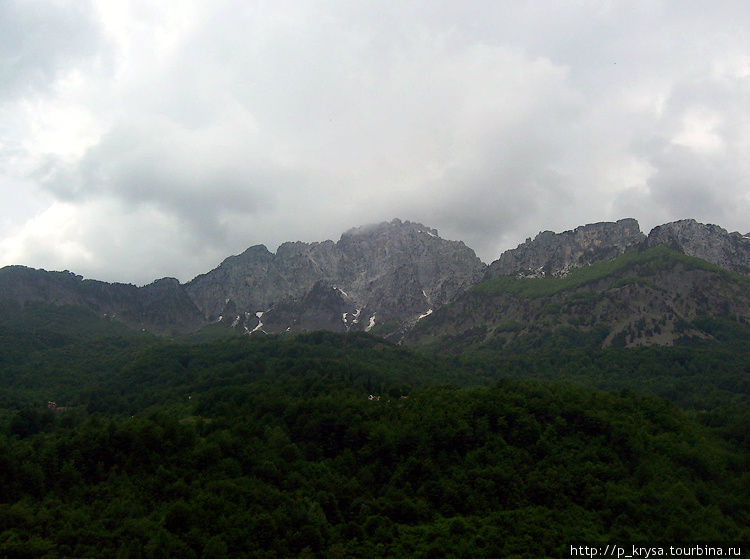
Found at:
[644, 297]
[631, 266]
[328, 445]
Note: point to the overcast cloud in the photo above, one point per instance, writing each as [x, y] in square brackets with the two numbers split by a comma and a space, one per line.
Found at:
[139, 140]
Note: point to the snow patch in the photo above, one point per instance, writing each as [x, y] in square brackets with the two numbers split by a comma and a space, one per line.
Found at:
[236, 321]
[372, 323]
[344, 293]
[421, 316]
[345, 319]
[259, 314]
[356, 316]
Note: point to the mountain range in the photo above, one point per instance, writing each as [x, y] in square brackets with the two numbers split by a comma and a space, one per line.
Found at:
[604, 283]
[589, 385]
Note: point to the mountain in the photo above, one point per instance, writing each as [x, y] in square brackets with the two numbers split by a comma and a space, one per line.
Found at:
[646, 296]
[600, 285]
[556, 254]
[390, 277]
[709, 242]
[326, 444]
[382, 276]
[162, 307]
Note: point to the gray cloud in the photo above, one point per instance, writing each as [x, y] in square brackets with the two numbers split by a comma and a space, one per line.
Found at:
[220, 125]
[695, 151]
[40, 39]
[197, 177]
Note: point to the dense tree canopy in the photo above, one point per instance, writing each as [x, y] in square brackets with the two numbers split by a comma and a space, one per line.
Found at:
[328, 445]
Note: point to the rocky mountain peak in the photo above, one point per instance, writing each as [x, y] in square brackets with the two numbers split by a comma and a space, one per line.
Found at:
[252, 254]
[383, 278]
[395, 270]
[556, 254]
[165, 283]
[707, 241]
[392, 228]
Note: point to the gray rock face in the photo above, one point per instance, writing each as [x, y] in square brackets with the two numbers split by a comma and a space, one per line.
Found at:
[389, 272]
[324, 307]
[709, 242]
[256, 279]
[655, 297]
[556, 254]
[400, 268]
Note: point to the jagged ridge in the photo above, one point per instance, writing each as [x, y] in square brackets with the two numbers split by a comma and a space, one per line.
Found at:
[386, 275]
[556, 254]
[383, 278]
[646, 296]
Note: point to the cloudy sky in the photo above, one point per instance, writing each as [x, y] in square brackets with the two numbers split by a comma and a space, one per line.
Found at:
[142, 139]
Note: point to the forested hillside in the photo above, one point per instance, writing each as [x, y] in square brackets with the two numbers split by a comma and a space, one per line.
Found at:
[334, 445]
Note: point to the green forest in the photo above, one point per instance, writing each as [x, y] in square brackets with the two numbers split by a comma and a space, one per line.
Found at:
[325, 445]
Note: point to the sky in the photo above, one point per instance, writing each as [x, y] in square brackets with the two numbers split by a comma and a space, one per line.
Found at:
[143, 139]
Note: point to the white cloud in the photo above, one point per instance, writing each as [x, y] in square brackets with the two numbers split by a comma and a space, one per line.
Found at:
[699, 131]
[53, 238]
[104, 239]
